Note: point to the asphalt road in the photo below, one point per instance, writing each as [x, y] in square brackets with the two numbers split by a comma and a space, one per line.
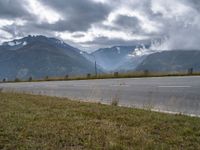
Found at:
[172, 94]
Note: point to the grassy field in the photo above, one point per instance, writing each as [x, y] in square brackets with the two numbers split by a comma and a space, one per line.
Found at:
[39, 122]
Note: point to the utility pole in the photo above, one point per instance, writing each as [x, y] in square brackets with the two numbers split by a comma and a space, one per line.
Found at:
[95, 65]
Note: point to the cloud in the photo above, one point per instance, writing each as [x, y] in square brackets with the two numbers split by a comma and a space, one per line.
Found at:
[91, 24]
[10, 9]
[180, 24]
[127, 22]
[79, 15]
[42, 12]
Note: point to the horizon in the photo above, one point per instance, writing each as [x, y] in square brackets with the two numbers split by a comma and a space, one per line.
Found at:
[89, 51]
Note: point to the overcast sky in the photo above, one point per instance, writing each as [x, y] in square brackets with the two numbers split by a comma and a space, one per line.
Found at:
[90, 24]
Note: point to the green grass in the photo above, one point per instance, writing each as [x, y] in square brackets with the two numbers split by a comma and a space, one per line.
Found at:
[40, 122]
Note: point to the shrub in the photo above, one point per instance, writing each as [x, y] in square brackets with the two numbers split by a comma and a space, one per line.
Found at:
[4, 80]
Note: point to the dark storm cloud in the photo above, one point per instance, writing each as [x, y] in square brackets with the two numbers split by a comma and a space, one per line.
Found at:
[195, 4]
[108, 42]
[11, 9]
[128, 22]
[78, 14]
[78, 35]
[86, 21]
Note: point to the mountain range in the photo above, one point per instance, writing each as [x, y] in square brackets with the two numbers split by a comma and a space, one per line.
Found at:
[118, 58]
[40, 56]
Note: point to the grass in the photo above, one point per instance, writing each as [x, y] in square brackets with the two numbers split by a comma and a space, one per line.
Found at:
[136, 74]
[41, 122]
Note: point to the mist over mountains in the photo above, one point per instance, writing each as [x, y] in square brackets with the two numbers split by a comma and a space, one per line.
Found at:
[40, 56]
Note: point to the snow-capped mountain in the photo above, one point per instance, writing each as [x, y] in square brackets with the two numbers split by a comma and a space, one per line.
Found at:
[114, 58]
[111, 58]
[40, 56]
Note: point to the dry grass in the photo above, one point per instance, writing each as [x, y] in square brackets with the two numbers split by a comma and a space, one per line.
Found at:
[40, 122]
[139, 74]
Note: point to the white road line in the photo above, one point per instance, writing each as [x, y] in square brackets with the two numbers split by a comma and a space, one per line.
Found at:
[80, 85]
[120, 85]
[174, 86]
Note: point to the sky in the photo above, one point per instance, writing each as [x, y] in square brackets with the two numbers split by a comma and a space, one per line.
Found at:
[91, 24]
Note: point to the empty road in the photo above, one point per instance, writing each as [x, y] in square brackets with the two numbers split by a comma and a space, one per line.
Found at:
[175, 94]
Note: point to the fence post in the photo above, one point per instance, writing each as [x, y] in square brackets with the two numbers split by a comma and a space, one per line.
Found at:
[190, 71]
[47, 78]
[146, 72]
[88, 75]
[67, 76]
[116, 74]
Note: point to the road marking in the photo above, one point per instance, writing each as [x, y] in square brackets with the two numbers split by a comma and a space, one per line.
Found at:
[174, 86]
[80, 85]
[120, 85]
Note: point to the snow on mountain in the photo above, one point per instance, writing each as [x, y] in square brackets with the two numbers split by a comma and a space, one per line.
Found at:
[113, 57]
[13, 43]
[24, 43]
[155, 46]
[118, 50]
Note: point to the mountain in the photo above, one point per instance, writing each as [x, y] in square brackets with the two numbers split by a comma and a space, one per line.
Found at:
[131, 63]
[40, 56]
[175, 60]
[111, 58]
[118, 57]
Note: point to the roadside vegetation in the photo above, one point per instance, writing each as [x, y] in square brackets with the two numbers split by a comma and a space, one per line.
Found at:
[41, 122]
[138, 74]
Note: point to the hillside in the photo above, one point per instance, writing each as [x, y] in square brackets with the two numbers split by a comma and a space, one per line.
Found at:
[39, 56]
[176, 60]
[111, 58]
